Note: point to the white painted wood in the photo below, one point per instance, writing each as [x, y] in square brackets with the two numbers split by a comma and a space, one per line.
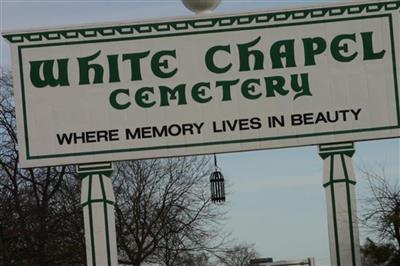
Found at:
[97, 199]
[368, 84]
[339, 182]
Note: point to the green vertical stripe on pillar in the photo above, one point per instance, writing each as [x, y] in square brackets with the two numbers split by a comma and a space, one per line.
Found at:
[353, 253]
[332, 157]
[91, 221]
[103, 192]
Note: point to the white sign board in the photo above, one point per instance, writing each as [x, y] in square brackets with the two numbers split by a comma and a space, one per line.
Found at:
[202, 85]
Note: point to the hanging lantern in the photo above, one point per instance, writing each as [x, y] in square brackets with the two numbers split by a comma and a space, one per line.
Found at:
[217, 184]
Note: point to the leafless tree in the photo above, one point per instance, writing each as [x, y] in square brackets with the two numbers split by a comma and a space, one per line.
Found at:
[195, 259]
[381, 209]
[381, 216]
[164, 210]
[164, 214]
[40, 218]
[376, 254]
[239, 255]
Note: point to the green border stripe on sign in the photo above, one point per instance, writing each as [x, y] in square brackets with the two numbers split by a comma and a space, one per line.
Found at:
[187, 24]
[394, 68]
[333, 202]
[92, 241]
[105, 206]
[210, 143]
[350, 215]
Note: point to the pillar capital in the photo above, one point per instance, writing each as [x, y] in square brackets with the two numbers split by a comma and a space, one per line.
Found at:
[84, 170]
[346, 148]
[339, 180]
[97, 201]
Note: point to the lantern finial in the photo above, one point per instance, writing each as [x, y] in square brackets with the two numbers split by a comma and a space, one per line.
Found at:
[217, 184]
[201, 6]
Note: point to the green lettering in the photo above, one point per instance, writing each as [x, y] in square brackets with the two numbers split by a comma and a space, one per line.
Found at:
[199, 92]
[302, 88]
[245, 53]
[134, 59]
[142, 97]
[167, 94]
[157, 63]
[313, 47]
[85, 67]
[249, 89]
[210, 63]
[288, 54]
[337, 48]
[113, 99]
[275, 84]
[48, 75]
[369, 53]
[226, 88]
[113, 68]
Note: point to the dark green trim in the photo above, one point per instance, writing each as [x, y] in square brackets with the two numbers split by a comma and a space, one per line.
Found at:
[91, 169]
[336, 149]
[103, 192]
[175, 34]
[206, 143]
[85, 175]
[324, 155]
[394, 68]
[47, 156]
[183, 24]
[327, 150]
[105, 201]
[336, 146]
[102, 168]
[92, 242]
[25, 115]
[335, 227]
[353, 252]
[89, 166]
[339, 181]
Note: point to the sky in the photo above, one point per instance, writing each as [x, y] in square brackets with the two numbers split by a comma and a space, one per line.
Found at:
[276, 198]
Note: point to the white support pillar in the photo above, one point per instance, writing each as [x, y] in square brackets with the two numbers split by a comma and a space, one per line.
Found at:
[97, 200]
[339, 183]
